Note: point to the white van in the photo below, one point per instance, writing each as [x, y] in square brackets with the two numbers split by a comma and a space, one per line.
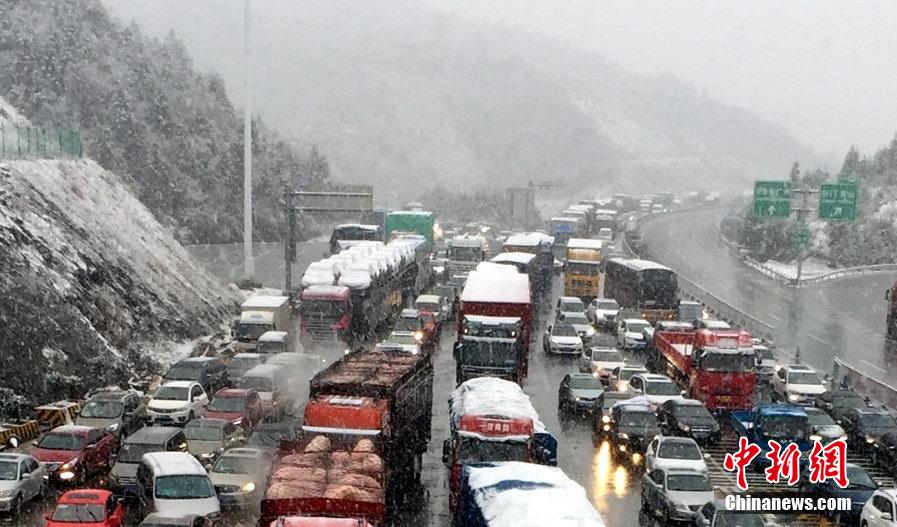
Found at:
[175, 484]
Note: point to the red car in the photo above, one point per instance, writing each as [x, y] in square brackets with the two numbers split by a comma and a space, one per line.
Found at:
[240, 406]
[72, 454]
[87, 508]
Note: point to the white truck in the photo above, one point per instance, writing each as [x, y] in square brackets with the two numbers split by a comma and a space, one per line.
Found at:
[260, 314]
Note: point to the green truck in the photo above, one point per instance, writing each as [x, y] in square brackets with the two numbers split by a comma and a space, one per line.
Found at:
[410, 221]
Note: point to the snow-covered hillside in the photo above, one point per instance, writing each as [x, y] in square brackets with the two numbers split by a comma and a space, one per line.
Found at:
[89, 279]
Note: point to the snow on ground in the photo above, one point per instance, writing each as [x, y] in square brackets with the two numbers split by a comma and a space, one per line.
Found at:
[811, 268]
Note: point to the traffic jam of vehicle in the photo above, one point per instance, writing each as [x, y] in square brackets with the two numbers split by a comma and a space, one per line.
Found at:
[693, 408]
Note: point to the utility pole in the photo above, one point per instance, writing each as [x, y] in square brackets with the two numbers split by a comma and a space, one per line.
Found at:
[802, 234]
[248, 262]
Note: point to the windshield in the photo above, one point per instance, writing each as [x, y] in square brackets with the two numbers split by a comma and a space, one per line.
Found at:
[564, 331]
[608, 305]
[607, 356]
[586, 383]
[611, 398]
[79, 513]
[240, 365]
[859, 479]
[268, 437]
[172, 393]
[637, 327]
[688, 483]
[570, 307]
[102, 409]
[61, 442]
[184, 487]
[9, 470]
[689, 313]
[259, 384]
[659, 289]
[473, 450]
[576, 318]
[466, 254]
[848, 401]
[661, 388]
[235, 465]
[764, 353]
[878, 420]
[583, 268]
[791, 427]
[487, 353]
[227, 404]
[318, 308]
[692, 411]
[678, 450]
[132, 452]
[407, 324]
[727, 362]
[818, 418]
[197, 430]
[251, 332]
[803, 377]
[627, 374]
[269, 347]
[427, 306]
[738, 519]
[185, 371]
[637, 419]
[405, 339]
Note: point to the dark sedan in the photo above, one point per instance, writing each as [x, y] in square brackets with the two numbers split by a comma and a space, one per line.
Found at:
[688, 418]
[866, 426]
[860, 487]
[838, 402]
[579, 392]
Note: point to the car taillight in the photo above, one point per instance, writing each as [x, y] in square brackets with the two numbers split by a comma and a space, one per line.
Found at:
[707, 338]
[745, 340]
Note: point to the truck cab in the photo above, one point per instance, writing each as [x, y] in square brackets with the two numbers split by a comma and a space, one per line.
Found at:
[259, 314]
[273, 342]
[780, 422]
[325, 313]
[490, 346]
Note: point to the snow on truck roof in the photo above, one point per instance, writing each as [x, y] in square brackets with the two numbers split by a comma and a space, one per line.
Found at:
[639, 265]
[491, 321]
[264, 301]
[514, 257]
[584, 243]
[493, 286]
[530, 239]
[490, 396]
[362, 226]
[516, 494]
[323, 292]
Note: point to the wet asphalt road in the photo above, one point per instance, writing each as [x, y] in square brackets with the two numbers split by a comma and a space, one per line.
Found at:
[844, 318]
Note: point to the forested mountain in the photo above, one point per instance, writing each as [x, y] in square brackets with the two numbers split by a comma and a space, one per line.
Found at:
[145, 113]
[398, 92]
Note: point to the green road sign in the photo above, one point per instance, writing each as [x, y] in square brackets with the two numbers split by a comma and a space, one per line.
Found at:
[838, 201]
[772, 199]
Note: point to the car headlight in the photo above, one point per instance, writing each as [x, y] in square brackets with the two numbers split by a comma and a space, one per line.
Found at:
[681, 507]
[66, 475]
[684, 428]
[70, 465]
[606, 428]
[605, 419]
[8, 493]
[577, 399]
[418, 335]
[793, 397]
[112, 428]
[594, 374]
[590, 332]
[815, 437]
[207, 455]
[623, 435]
[248, 487]
[870, 440]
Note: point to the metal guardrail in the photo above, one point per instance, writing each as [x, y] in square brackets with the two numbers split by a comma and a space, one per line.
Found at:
[813, 280]
[866, 384]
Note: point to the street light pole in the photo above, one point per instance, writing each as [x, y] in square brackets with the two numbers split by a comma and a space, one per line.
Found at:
[248, 262]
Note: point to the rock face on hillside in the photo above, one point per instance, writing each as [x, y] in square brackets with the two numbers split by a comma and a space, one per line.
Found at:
[88, 277]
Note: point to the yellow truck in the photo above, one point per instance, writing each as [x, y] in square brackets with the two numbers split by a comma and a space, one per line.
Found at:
[582, 268]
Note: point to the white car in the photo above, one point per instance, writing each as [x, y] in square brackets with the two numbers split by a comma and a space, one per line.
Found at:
[579, 321]
[621, 375]
[658, 389]
[562, 339]
[600, 362]
[22, 479]
[568, 304]
[797, 384]
[675, 495]
[177, 403]
[630, 333]
[880, 509]
[668, 452]
[603, 312]
[605, 234]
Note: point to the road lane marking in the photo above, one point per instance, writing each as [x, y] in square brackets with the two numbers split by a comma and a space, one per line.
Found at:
[867, 363]
[819, 340]
[777, 319]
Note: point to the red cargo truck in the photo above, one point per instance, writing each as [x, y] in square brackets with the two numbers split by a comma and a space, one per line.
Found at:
[499, 291]
[368, 421]
[716, 365]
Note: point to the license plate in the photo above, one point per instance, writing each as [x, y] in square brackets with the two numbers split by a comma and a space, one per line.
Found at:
[728, 343]
[725, 399]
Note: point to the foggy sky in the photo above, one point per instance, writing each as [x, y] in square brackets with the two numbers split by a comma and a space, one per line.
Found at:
[824, 69]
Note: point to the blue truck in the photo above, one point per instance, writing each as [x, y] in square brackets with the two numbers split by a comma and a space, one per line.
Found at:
[515, 493]
[785, 423]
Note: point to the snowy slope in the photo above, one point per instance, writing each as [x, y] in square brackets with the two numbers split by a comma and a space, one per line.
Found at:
[88, 276]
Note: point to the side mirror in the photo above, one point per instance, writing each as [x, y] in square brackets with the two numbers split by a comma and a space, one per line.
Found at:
[456, 351]
[25, 475]
[682, 393]
[446, 451]
[886, 516]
